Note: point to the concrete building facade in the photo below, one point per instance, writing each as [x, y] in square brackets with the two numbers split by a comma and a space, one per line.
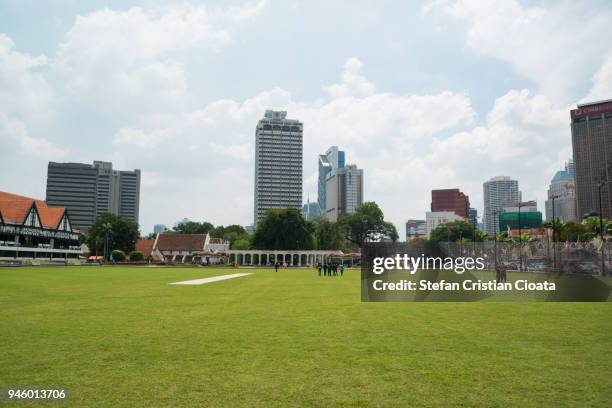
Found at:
[563, 189]
[278, 163]
[332, 160]
[497, 193]
[592, 149]
[90, 190]
[344, 191]
[435, 218]
[450, 199]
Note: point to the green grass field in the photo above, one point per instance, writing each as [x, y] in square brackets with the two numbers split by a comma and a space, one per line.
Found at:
[120, 336]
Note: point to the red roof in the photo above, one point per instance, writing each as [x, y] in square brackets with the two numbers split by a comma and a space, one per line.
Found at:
[145, 246]
[181, 242]
[15, 208]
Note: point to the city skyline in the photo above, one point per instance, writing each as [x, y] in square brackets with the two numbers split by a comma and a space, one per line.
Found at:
[179, 105]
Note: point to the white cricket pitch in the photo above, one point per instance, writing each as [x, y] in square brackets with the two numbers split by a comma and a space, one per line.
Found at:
[210, 280]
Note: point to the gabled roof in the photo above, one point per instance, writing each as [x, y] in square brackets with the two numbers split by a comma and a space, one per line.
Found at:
[145, 246]
[181, 242]
[15, 209]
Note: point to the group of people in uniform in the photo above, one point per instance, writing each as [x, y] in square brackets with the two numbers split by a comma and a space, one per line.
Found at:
[330, 268]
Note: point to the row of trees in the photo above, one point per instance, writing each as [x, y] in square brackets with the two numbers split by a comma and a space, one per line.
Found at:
[279, 229]
[287, 229]
[462, 231]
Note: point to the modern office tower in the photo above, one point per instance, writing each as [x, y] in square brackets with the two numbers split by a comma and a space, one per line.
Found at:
[563, 190]
[415, 229]
[333, 159]
[435, 218]
[520, 215]
[571, 168]
[592, 145]
[497, 192]
[450, 199]
[159, 228]
[87, 191]
[344, 191]
[473, 218]
[278, 163]
[311, 210]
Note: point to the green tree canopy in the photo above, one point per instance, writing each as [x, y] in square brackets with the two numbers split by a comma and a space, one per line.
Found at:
[452, 231]
[283, 229]
[329, 235]
[193, 227]
[122, 233]
[367, 223]
[231, 231]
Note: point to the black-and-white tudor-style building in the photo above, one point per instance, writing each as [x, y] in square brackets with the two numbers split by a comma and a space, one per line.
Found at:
[32, 231]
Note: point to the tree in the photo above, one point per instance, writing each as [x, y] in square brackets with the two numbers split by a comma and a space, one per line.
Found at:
[452, 231]
[283, 229]
[556, 225]
[192, 227]
[367, 223]
[118, 255]
[241, 243]
[136, 256]
[480, 236]
[231, 231]
[329, 234]
[122, 233]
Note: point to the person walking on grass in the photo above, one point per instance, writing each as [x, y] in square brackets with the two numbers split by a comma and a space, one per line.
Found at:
[276, 265]
[503, 269]
[319, 267]
[341, 269]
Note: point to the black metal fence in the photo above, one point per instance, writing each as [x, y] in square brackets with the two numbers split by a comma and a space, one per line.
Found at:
[558, 257]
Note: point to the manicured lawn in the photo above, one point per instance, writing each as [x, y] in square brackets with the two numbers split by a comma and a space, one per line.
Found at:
[119, 336]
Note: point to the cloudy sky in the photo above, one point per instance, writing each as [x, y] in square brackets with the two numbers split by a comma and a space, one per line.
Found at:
[422, 95]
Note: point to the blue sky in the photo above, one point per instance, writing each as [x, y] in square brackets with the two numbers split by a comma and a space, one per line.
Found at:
[422, 95]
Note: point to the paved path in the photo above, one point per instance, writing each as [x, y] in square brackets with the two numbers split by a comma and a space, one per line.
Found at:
[209, 280]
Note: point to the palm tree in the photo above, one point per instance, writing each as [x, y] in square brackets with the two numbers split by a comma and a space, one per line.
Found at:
[480, 236]
[106, 229]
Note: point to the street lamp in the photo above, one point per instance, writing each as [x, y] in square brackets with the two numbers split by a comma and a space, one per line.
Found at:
[553, 233]
[495, 216]
[600, 184]
[520, 204]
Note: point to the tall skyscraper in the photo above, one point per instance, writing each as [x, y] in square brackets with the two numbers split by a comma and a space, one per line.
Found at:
[344, 191]
[311, 211]
[563, 189]
[592, 145]
[497, 193]
[87, 191]
[450, 199]
[278, 163]
[473, 217]
[333, 159]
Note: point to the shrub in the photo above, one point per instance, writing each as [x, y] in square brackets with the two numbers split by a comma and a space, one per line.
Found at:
[136, 256]
[118, 255]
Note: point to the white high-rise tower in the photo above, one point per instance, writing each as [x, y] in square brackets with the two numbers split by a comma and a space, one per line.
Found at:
[278, 163]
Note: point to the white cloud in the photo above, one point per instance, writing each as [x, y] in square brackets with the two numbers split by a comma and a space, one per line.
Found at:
[126, 61]
[24, 89]
[521, 138]
[211, 149]
[556, 46]
[602, 83]
[15, 140]
[352, 84]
